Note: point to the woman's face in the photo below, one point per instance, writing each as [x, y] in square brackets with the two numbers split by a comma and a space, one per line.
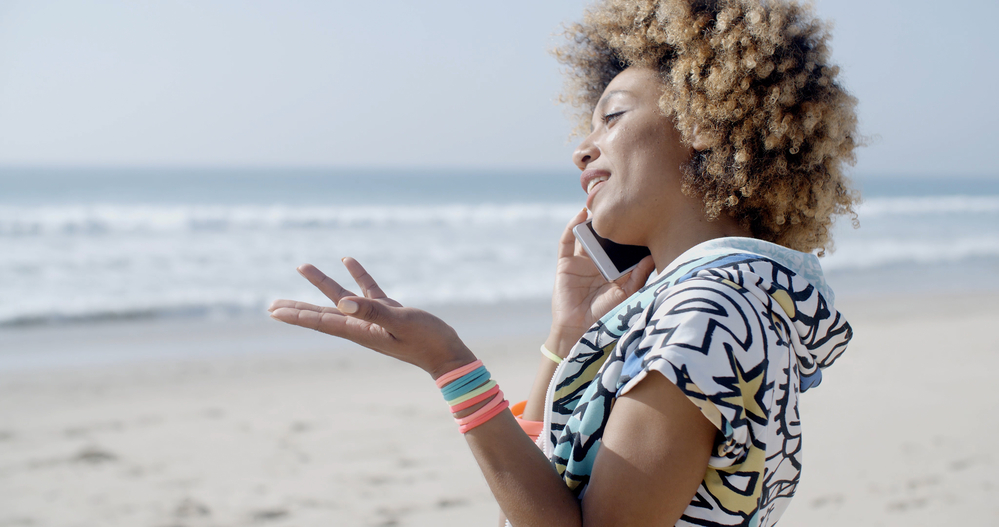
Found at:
[631, 161]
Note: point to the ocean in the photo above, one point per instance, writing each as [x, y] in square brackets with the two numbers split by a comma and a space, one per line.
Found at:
[120, 244]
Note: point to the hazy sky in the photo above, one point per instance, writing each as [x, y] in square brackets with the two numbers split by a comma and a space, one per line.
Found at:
[422, 84]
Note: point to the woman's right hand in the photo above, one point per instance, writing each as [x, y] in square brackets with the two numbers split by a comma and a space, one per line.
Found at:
[582, 295]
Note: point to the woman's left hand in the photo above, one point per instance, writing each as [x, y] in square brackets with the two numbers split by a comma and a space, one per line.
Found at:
[377, 322]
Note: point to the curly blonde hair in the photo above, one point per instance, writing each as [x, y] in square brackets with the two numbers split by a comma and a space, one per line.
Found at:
[754, 78]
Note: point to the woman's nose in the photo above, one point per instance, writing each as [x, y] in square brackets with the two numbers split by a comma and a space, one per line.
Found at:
[585, 153]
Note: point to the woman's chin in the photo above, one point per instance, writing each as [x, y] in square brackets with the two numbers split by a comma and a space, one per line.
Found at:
[598, 224]
[611, 227]
[605, 227]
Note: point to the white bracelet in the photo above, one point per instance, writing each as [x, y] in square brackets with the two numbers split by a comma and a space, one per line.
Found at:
[548, 353]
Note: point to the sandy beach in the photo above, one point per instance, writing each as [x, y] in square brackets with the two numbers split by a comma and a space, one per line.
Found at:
[250, 422]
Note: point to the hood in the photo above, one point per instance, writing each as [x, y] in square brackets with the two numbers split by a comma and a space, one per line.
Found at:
[795, 282]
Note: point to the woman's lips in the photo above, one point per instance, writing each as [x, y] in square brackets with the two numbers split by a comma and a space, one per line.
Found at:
[591, 181]
[593, 192]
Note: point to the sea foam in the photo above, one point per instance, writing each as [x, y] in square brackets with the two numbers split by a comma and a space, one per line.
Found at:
[92, 261]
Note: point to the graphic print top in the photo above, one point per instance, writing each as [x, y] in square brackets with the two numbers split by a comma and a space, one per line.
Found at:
[741, 326]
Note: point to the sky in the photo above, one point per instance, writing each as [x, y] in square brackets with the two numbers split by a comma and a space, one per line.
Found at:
[443, 84]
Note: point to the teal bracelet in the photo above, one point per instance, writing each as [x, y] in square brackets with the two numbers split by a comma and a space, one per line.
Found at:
[472, 394]
[466, 383]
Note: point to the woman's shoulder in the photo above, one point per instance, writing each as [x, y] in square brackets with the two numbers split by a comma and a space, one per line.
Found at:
[699, 330]
[749, 305]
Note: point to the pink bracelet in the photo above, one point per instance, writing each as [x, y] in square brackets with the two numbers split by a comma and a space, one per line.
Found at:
[493, 403]
[475, 400]
[492, 413]
[531, 428]
[491, 409]
[443, 380]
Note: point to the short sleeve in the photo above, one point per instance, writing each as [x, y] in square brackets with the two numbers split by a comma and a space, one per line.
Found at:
[708, 338]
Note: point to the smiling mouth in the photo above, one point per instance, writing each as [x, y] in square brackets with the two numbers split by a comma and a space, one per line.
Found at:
[593, 183]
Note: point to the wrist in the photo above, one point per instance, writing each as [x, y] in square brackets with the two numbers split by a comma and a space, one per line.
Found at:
[474, 398]
[559, 344]
[456, 359]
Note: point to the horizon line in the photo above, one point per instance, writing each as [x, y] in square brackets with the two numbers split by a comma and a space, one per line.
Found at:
[415, 170]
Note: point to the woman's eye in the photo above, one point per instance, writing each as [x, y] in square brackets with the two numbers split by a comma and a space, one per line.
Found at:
[612, 117]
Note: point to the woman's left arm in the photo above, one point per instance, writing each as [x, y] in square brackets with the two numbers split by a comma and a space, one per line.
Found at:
[655, 446]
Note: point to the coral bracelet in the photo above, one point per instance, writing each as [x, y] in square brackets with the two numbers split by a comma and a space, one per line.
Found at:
[467, 386]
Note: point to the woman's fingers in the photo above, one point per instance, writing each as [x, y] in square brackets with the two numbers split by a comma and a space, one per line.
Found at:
[327, 285]
[338, 325]
[364, 280]
[306, 318]
[277, 304]
[580, 251]
[634, 280]
[567, 243]
[373, 311]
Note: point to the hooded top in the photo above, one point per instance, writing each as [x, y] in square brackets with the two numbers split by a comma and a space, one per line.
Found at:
[741, 326]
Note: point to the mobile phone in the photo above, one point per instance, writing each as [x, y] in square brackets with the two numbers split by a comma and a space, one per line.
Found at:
[613, 260]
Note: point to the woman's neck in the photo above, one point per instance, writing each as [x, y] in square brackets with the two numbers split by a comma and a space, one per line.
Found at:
[683, 231]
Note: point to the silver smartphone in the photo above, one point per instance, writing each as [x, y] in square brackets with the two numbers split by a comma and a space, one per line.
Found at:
[612, 259]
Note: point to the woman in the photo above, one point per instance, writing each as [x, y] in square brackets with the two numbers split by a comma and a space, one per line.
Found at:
[717, 138]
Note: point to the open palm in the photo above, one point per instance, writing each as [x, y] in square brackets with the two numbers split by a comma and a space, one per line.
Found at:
[375, 321]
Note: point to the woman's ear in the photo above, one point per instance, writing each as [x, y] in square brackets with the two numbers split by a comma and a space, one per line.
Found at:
[698, 140]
